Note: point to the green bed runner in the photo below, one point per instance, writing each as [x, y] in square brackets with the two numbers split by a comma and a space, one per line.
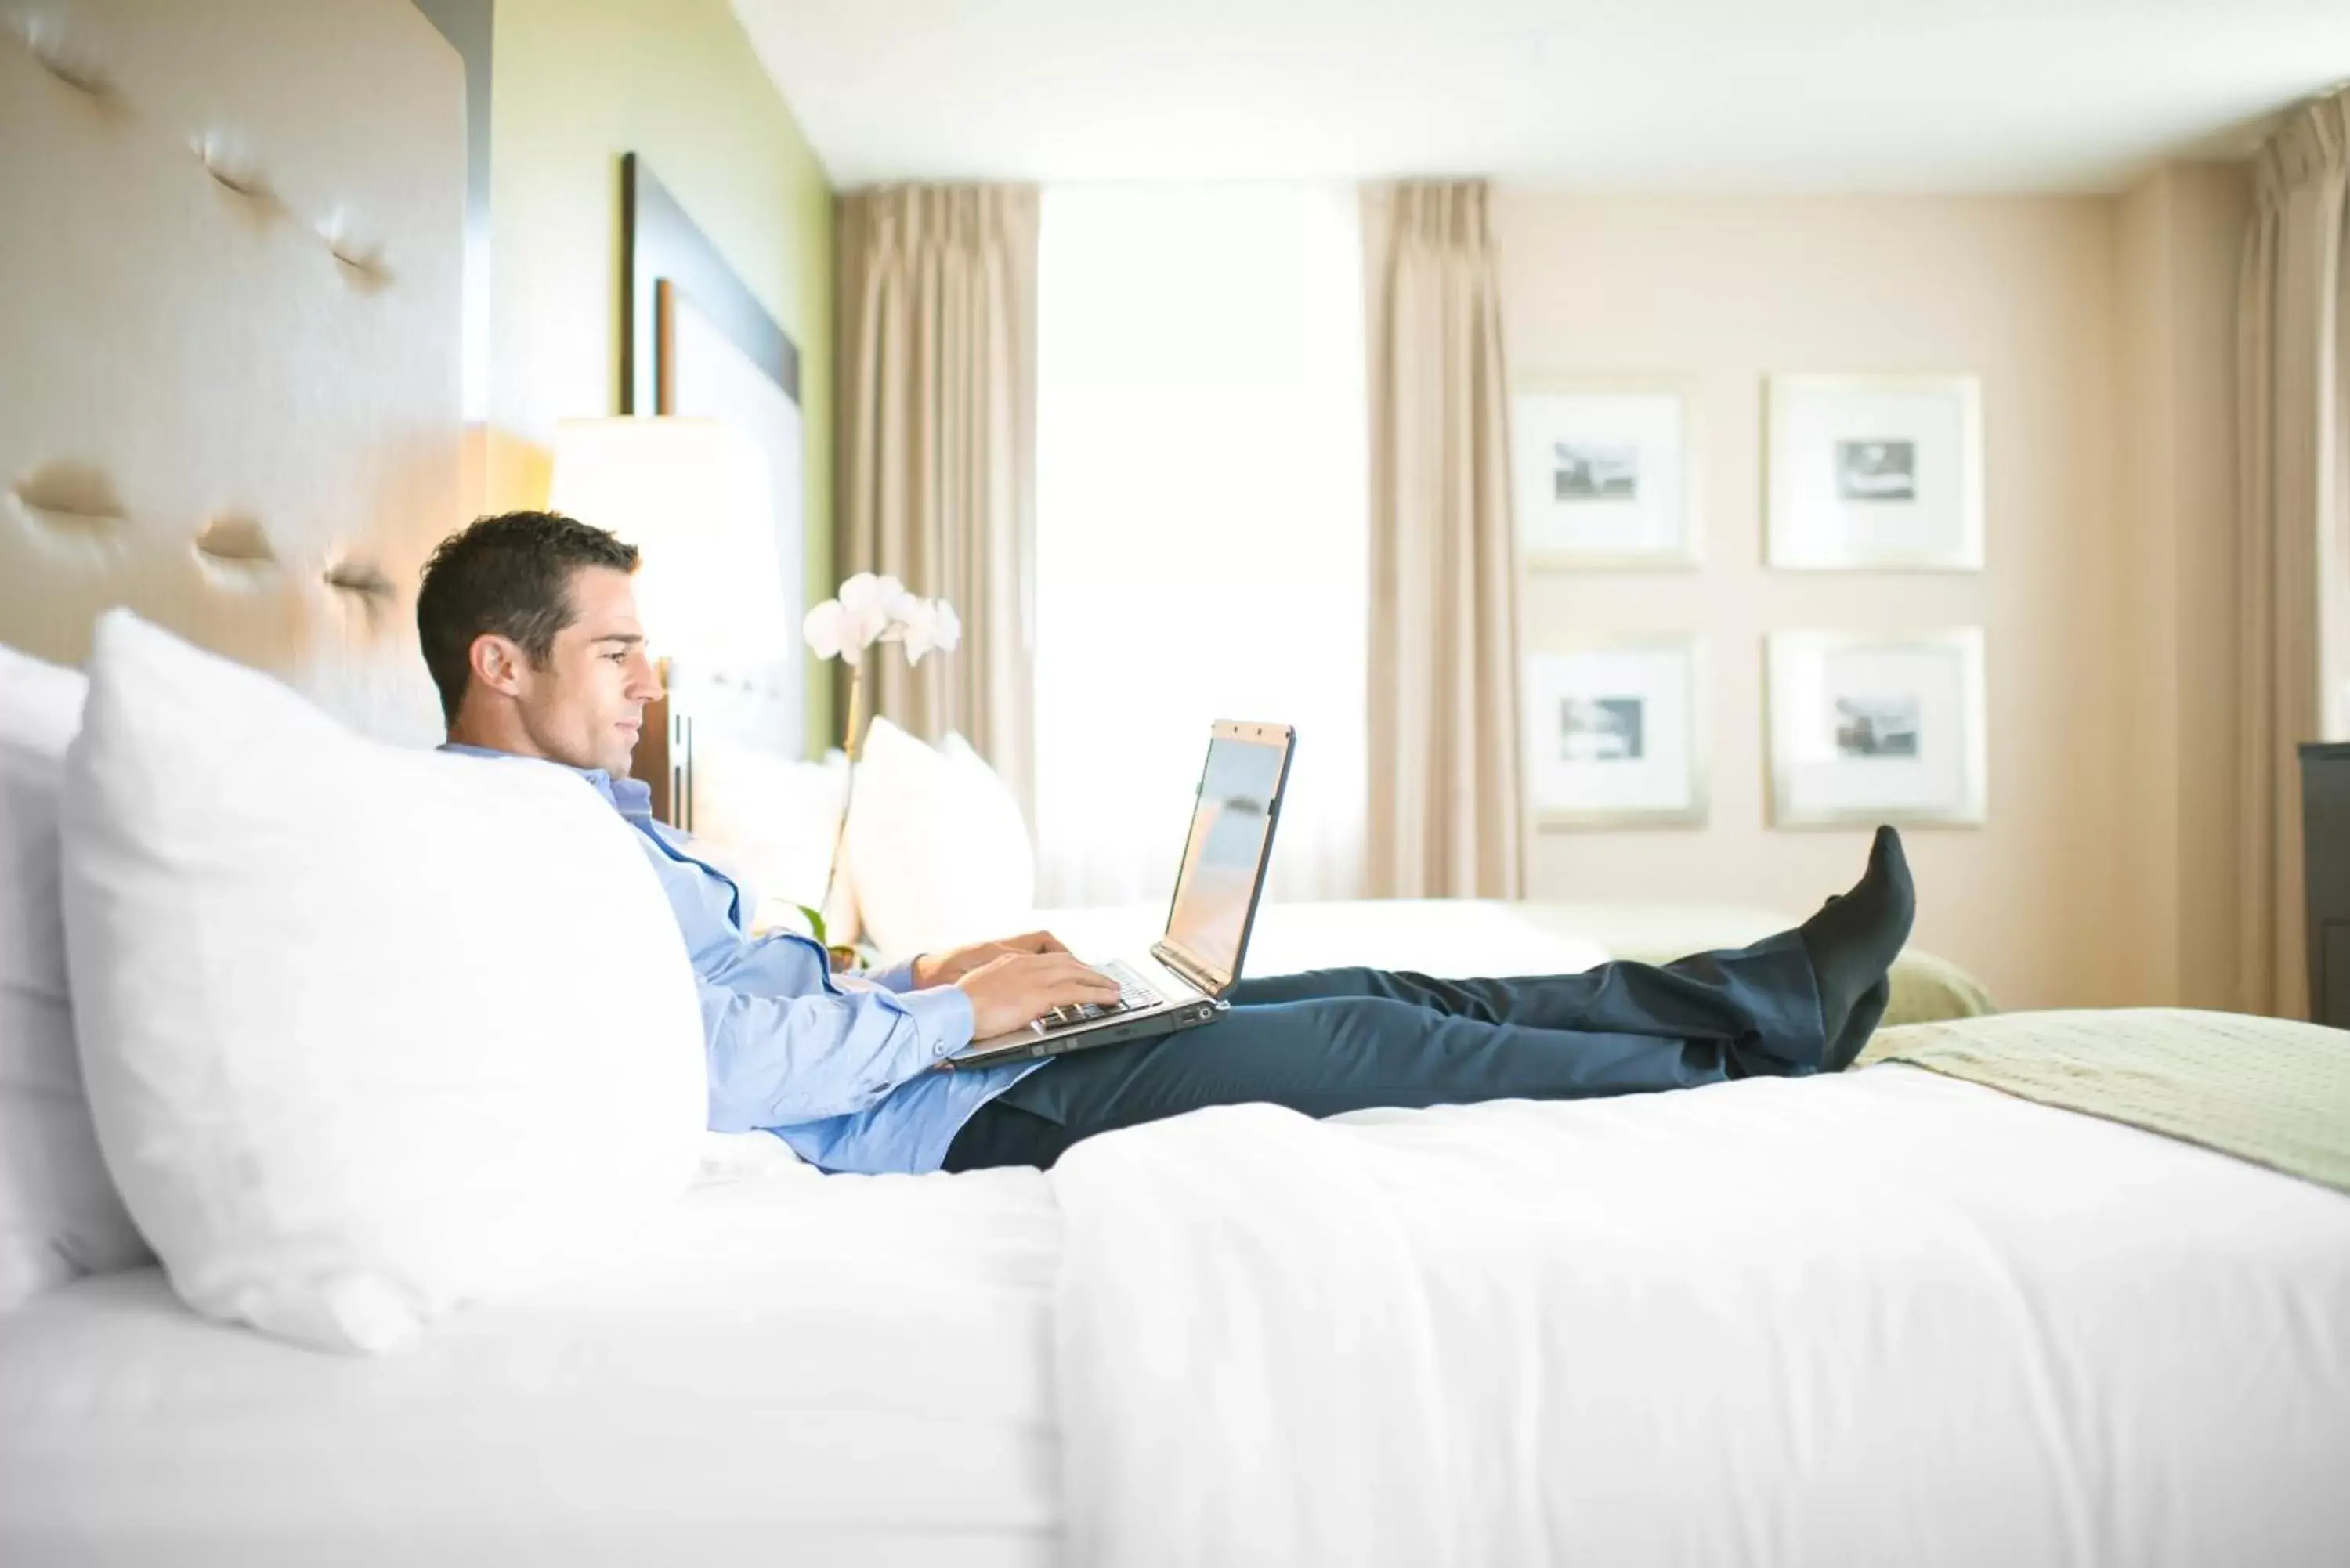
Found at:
[2271, 1091]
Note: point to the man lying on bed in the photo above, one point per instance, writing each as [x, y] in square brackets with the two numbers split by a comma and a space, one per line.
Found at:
[529, 624]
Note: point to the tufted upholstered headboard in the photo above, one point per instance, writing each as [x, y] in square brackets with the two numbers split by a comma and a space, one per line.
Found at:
[231, 239]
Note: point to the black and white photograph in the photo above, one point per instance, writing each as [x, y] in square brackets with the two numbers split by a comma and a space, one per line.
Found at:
[1595, 471]
[1612, 732]
[1877, 470]
[1869, 727]
[1599, 729]
[1600, 477]
[1875, 474]
[1877, 726]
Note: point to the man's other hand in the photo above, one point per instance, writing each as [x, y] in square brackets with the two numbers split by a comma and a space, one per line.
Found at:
[1018, 989]
[945, 969]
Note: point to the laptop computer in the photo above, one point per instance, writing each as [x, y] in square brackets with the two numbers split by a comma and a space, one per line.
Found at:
[1184, 979]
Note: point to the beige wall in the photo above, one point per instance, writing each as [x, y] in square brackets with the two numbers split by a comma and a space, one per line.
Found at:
[2180, 233]
[2023, 292]
[578, 83]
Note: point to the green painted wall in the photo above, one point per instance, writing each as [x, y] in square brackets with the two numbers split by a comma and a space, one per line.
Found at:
[578, 83]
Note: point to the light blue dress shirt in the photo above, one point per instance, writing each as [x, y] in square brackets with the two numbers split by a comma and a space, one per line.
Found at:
[844, 1068]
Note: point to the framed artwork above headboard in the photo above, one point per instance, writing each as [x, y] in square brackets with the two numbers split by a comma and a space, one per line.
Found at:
[663, 245]
[695, 341]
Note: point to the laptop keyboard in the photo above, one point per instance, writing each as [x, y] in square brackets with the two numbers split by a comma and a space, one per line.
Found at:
[1133, 994]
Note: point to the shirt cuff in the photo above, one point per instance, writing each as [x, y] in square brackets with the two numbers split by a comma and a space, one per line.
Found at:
[899, 978]
[941, 1017]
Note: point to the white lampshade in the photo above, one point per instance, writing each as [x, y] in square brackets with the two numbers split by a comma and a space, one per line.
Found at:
[692, 496]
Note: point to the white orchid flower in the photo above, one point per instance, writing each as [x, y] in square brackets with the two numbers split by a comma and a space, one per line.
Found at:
[917, 627]
[946, 627]
[866, 627]
[880, 609]
[826, 630]
[835, 631]
[865, 592]
[857, 619]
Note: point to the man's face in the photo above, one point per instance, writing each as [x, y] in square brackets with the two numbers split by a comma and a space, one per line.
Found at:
[586, 707]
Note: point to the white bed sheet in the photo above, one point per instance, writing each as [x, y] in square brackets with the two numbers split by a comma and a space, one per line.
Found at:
[1885, 1318]
[840, 1370]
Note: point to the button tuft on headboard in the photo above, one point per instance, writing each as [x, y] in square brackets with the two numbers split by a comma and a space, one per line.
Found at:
[360, 580]
[70, 510]
[70, 60]
[70, 495]
[235, 169]
[235, 542]
[362, 258]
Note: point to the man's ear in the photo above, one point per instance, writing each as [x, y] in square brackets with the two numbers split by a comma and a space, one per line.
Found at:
[498, 663]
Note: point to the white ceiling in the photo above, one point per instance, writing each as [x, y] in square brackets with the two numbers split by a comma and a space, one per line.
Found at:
[1646, 95]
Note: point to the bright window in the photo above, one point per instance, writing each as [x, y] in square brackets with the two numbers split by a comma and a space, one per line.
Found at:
[1203, 523]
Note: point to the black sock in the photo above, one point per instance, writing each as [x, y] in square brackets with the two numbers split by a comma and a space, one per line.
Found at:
[1859, 1027]
[1852, 943]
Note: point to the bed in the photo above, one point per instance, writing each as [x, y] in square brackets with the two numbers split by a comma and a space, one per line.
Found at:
[1891, 1316]
[1888, 1317]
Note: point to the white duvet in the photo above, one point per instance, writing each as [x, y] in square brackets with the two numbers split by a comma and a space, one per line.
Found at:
[1885, 1318]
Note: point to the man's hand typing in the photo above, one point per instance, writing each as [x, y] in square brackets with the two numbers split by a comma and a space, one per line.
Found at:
[1016, 989]
[947, 968]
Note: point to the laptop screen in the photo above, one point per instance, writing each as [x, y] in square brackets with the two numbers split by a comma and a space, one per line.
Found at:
[1231, 829]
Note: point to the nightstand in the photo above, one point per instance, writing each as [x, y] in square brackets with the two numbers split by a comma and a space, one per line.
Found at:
[2325, 862]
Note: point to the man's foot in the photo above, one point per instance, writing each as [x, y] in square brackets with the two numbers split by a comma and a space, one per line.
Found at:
[1852, 943]
[1859, 1028]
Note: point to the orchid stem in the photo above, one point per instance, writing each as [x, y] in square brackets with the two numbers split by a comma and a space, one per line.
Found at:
[852, 742]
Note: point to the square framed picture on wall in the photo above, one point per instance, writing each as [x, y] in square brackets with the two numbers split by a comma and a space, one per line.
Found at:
[1615, 732]
[1876, 474]
[1601, 476]
[1869, 727]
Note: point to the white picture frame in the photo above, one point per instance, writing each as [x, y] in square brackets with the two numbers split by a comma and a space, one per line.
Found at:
[1615, 732]
[1602, 477]
[1875, 474]
[1870, 727]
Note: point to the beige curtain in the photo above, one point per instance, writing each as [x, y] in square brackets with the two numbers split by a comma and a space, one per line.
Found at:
[2293, 545]
[936, 287]
[1444, 794]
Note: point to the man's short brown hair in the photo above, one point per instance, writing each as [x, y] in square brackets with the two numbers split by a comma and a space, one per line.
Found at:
[510, 574]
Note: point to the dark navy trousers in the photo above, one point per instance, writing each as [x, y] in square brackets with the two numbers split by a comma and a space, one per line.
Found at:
[1351, 1039]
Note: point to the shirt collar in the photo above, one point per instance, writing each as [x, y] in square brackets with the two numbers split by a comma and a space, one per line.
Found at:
[631, 797]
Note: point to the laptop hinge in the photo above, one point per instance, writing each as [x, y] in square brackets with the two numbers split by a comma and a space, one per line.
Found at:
[1198, 978]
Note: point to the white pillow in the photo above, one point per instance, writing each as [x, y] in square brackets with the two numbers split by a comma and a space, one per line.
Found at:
[939, 848]
[59, 1215]
[771, 824]
[369, 1033]
[987, 804]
